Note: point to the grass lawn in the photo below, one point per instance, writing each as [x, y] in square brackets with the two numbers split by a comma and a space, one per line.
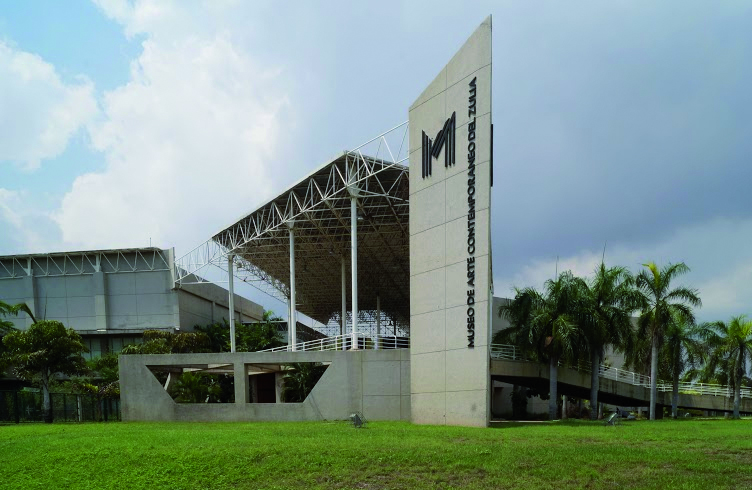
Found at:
[665, 454]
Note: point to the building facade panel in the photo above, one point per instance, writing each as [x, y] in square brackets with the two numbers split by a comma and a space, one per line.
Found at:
[427, 292]
[429, 334]
[78, 286]
[432, 244]
[427, 207]
[50, 287]
[428, 408]
[429, 372]
[79, 306]
[123, 283]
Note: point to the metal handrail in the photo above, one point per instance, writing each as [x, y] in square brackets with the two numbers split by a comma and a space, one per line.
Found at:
[514, 353]
[344, 342]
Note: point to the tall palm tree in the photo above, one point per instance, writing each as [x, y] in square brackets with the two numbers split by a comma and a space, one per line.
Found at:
[683, 349]
[731, 345]
[545, 323]
[608, 301]
[662, 306]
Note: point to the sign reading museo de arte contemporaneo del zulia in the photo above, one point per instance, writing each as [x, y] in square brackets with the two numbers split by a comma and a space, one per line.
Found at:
[471, 106]
[431, 150]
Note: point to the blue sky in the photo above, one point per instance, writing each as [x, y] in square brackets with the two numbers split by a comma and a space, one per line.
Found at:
[618, 123]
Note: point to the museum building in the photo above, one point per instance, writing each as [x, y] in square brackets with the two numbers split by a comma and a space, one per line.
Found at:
[387, 247]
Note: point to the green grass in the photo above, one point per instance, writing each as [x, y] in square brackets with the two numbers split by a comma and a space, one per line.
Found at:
[665, 454]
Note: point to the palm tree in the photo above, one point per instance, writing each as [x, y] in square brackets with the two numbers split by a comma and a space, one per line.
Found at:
[662, 306]
[8, 309]
[608, 301]
[731, 345]
[683, 348]
[545, 323]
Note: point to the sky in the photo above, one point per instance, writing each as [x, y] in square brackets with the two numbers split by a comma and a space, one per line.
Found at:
[622, 125]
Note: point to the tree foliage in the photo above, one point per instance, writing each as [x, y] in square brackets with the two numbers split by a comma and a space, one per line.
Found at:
[101, 378]
[248, 337]
[7, 310]
[6, 326]
[730, 345]
[546, 324]
[300, 379]
[683, 350]
[198, 387]
[47, 348]
[162, 342]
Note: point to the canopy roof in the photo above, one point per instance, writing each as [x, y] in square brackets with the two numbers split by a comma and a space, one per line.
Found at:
[317, 208]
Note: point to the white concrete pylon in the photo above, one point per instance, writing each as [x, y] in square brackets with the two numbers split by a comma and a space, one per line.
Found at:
[231, 301]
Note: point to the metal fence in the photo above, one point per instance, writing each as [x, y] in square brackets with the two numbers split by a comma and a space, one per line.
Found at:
[26, 406]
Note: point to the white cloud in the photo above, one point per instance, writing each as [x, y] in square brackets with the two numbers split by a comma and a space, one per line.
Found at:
[188, 141]
[38, 111]
[717, 252]
[22, 225]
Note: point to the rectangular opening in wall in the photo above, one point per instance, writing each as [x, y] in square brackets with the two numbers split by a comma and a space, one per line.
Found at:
[207, 383]
[283, 383]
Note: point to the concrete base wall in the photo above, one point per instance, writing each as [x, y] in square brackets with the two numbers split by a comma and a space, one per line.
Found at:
[376, 383]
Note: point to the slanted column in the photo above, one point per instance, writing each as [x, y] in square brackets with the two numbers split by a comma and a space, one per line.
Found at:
[343, 326]
[354, 267]
[378, 322]
[231, 301]
[292, 322]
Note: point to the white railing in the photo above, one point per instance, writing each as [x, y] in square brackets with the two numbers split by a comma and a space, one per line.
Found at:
[513, 353]
[692, 388]
[344, 342]
[507, 352]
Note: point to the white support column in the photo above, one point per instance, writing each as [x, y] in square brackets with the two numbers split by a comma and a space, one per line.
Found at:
[289, 334]
[292, 322]
[231, 301]
[354, 267]
[377, 345]
[343, 325]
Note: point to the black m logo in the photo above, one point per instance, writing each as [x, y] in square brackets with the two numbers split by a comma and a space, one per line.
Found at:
[431, 149]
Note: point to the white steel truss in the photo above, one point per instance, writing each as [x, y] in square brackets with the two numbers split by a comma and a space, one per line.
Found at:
[82, 263]
[318, 210]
